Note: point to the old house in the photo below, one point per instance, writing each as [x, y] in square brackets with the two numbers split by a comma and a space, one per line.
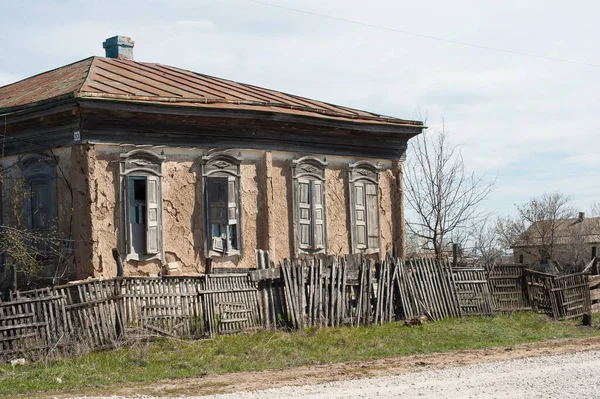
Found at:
[570, 242]
[180, 170]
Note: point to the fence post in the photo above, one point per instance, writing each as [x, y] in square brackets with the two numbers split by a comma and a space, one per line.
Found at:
[454, 254]
[119, 312]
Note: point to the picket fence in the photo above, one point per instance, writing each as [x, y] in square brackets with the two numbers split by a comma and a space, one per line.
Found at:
[310, 292]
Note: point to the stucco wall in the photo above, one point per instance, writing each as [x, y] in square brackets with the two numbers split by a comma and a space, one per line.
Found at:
[89, 210]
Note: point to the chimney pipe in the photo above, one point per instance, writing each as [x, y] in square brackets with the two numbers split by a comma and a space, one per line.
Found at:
[120, 47]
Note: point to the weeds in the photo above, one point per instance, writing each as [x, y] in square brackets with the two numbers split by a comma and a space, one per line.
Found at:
[144, 360]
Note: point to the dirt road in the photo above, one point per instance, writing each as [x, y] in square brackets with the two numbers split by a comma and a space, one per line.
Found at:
[561, 376]
[562, 368]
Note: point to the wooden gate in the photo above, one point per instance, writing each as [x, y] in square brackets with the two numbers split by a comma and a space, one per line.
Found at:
[472, 290]
[230, 303]
[167, 306]
[508, 288]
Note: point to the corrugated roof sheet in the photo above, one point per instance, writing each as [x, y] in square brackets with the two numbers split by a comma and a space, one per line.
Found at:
[107, 78]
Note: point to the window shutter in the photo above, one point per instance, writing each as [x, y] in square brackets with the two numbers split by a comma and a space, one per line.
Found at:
[372, 215]
[152, 214]
[319, 219]
[218, 212]
[233, 213]
[39, 205]
[304, 214]
[217, 200]
[232, 210]
[360, 216]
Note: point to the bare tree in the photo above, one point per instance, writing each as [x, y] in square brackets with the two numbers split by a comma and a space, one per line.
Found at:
[595, 209]
[486, 248]
[35, 254]
[441, 196]
[539, 231]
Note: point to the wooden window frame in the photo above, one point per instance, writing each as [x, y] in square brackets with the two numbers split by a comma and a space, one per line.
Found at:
[38, 168]
[363, 173]
[310, 171]
[144, 164]
[220, 164]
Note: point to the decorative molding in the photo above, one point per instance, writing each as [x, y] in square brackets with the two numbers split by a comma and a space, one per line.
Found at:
[309, 166]
[219, 162]
[36, 163]
[364, 170]
[142, 162]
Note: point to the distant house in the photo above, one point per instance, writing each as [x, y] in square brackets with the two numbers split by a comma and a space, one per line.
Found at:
[180, 170]
[566, 241]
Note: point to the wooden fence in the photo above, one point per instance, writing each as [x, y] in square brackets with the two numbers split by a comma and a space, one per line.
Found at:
[297, 294]
[561, 297]
[508, 288]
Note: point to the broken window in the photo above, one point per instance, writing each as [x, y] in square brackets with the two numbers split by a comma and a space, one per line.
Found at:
[309, 205]
[141, 172]
[221, 172]
[363, 179]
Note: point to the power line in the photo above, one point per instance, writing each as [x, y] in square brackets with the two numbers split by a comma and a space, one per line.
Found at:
[440, 39]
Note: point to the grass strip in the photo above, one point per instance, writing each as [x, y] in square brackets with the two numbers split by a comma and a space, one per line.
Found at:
[151, 361]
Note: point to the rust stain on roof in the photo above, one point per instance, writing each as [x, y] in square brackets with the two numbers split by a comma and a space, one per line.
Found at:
[114, 79]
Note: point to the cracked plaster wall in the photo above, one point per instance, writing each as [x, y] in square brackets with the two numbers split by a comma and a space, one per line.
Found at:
[92, 171]
[182, 215]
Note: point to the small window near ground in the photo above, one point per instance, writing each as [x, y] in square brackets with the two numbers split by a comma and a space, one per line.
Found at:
[221, 173]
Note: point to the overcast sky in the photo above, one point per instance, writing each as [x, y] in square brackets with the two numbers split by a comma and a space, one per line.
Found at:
[531, 123]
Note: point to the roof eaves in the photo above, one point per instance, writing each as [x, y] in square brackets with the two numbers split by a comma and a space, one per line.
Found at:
[208, 101]
[38, 104]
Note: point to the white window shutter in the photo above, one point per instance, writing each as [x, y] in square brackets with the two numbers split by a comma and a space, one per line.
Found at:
[360, 216]
[372, 215]
[304, 214]
[232, 209]
[318, 214]
[152, 214]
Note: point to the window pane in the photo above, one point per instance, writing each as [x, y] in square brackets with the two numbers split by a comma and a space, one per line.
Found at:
[139, 189]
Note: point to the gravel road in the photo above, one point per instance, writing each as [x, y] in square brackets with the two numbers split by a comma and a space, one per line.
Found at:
[575, 375]
[566, 376]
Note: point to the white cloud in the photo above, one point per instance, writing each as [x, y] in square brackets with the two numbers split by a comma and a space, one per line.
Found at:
[531, 122]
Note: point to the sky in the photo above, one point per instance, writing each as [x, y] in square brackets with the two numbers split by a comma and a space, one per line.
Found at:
[528, 122]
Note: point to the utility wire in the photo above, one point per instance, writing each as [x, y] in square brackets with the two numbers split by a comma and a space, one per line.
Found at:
[440, 39]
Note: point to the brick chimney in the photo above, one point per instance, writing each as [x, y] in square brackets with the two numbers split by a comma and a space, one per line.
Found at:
[120, 47]
[581, 216]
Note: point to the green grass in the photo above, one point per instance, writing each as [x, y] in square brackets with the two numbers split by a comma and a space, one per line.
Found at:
[145, 362]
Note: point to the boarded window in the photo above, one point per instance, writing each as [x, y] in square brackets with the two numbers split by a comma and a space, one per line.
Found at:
[363, 179]
[309, 205]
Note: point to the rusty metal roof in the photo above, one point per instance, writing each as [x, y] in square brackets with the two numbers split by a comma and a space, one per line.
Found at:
[125, 80]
